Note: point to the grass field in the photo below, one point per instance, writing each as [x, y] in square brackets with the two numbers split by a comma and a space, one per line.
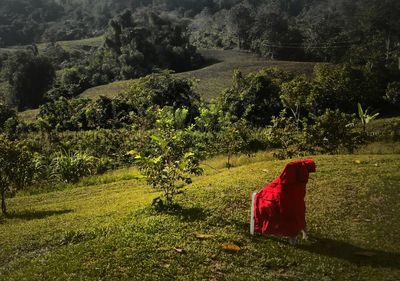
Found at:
[67, 45]
[217, 76]
[104, 229]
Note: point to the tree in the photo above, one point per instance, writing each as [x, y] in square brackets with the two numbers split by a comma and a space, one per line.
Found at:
[285, 136]
[343, 86]
[169, 158]
[30, 77]
[144, 42]
[5, 113]
[382, 18]
[295, 95]
[233, 137]
[16, 168]
[254, 98]
[163, 89]
[240, 21]
[323, 28]
[332, 131]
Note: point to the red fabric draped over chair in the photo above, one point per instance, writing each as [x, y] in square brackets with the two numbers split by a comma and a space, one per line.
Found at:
[279, 208]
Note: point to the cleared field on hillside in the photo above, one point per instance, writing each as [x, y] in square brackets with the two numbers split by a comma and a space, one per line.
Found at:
[67, 45]
[217, 76]
[106, 231]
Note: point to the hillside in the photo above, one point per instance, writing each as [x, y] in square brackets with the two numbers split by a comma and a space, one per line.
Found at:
[68, 45]
[103, 229]
[212, 78]
[216, 76]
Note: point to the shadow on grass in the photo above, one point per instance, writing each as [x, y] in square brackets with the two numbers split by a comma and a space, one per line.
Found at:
[191, 214]
[351, 253]
[32, 215]
[207, 61]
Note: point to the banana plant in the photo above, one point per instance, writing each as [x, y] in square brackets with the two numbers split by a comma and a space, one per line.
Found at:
[365, 117]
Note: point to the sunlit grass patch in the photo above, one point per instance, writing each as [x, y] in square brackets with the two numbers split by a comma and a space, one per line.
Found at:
[108, 231]
[215, 77]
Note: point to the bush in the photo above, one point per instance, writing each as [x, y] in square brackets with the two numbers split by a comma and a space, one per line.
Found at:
[70, 167]
[254, 98]
[393, 94]
[169, 159]
[16, 171]
[343, 86]
[333, 131]
[5, 113]
[286, 136]
[163, 89]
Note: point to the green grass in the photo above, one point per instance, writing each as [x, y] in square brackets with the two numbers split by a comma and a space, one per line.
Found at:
[106, 230]
[110, 90]
[215, 77]
[67, 45]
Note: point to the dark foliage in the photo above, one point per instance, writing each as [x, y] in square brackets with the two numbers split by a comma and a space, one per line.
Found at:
[30, 77]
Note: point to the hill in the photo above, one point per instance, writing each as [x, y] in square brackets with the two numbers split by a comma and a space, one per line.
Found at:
[212, 78]
[68, 45]
[103, 229]
[216, 76]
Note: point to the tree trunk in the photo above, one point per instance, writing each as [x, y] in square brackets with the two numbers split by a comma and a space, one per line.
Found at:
[3, 202]
[387, 51]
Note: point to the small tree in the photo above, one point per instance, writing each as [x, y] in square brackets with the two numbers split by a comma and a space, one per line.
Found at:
[16, 168]
[295, 95]
[285, 136]
[233, 137]
[169, 158]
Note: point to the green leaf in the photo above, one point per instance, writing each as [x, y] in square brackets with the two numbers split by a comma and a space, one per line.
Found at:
[132, 152]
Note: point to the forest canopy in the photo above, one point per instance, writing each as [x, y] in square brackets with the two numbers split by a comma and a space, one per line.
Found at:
[323, 30]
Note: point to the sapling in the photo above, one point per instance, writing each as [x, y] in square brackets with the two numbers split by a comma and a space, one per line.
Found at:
[169, 159]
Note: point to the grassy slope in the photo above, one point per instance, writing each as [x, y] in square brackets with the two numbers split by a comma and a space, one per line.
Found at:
[67, 45]
[217, 76]
[105, 231]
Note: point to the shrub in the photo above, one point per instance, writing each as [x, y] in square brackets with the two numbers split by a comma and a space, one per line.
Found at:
[168, 160]
[233, 137]
[163, 89]
[393, 94]
[332, 131]
[70, 167]
[286, 136]
[254, 98]
[343, 86]
[16, 170]
[5, 113]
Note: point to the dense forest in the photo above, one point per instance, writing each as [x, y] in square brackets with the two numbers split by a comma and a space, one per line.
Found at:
[322, 30]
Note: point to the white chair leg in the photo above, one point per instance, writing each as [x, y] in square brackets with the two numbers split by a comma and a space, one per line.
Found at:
[252, 213]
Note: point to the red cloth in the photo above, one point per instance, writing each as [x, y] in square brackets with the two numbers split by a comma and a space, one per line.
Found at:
[279, 208]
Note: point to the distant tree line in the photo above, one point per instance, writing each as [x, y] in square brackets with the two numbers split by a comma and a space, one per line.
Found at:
[322, 30]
